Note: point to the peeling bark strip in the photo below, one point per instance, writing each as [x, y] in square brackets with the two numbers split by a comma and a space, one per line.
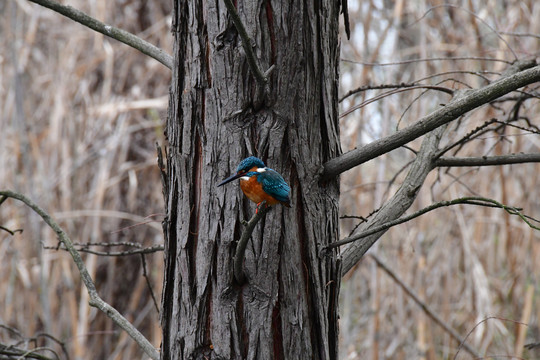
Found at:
[288, 307]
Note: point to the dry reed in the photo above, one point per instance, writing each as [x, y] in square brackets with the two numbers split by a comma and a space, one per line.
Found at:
[466, 263]
[80, 114]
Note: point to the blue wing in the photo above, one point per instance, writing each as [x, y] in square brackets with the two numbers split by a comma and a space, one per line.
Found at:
[274, 184]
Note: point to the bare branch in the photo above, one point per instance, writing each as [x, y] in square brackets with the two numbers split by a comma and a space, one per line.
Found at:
[519, 34]
[458, 106]
[16, 353]
[400, 201]
[392, 92]
[414, 61]
[472, 14]
[462, 345]
[148, 285]
[532, 345]
[479, 201]
[242, 243]
[11, 232]
[148, 250]
[487, 160]
[413, 85]
[95, 300]
[118, 34]
[427, 310]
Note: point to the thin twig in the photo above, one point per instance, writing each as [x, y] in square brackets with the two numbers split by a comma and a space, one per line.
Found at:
[462, 344]
[472, 14]
[118, 34]
[427, 310]
[59, 342]
[148, 250]
[145, 275]
[15, 353]
[451, 111]
[414, 61]
[410, 86]
[470, 135]
[242, 243]
[531, 346]
[11, 232]
[95, 299]
[392, 92]
[479, 201]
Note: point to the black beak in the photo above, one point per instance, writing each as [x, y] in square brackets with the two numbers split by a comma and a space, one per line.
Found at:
[230, 178]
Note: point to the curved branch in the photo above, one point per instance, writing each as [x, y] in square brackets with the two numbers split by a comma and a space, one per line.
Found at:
[95, 300]
[415, 85]
[11, 232]
[458, 106]
[479, 201]
[399, 203]
[396, 90]
[110, 31]
[242, 243]
[12, 352]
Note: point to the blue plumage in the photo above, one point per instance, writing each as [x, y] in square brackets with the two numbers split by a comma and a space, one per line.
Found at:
[248, 163]
[273, 184]
[260, 183]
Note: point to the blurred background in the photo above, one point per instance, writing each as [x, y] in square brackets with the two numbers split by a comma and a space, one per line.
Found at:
[80, 115]
[80, 118]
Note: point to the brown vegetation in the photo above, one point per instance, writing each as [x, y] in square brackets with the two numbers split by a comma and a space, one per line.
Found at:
[80, 115]
[466, 263]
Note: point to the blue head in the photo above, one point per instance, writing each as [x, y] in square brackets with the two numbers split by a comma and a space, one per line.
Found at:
[243, 168]
[249, 163]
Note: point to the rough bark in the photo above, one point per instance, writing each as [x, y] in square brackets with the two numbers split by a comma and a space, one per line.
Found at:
[288, 307]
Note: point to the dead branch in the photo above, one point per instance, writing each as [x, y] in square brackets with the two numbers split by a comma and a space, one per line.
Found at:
[487, 160]
[399, 203]
[95, 299]
[110, 31]
[478, 201]
[455, 108]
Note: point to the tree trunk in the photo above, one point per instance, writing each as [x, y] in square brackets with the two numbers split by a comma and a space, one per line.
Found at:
[288, 307]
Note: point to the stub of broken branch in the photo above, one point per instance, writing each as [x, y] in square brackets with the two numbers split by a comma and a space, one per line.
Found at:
[239, 255]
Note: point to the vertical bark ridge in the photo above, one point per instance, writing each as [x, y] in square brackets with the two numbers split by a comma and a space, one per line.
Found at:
[283, 311]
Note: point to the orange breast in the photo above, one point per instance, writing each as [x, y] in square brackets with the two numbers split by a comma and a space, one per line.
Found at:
[254, 192]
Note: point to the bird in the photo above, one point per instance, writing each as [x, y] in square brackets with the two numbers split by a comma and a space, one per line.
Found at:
[260, 183]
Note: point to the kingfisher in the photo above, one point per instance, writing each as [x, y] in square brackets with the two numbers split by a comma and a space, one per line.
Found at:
[260, 183]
